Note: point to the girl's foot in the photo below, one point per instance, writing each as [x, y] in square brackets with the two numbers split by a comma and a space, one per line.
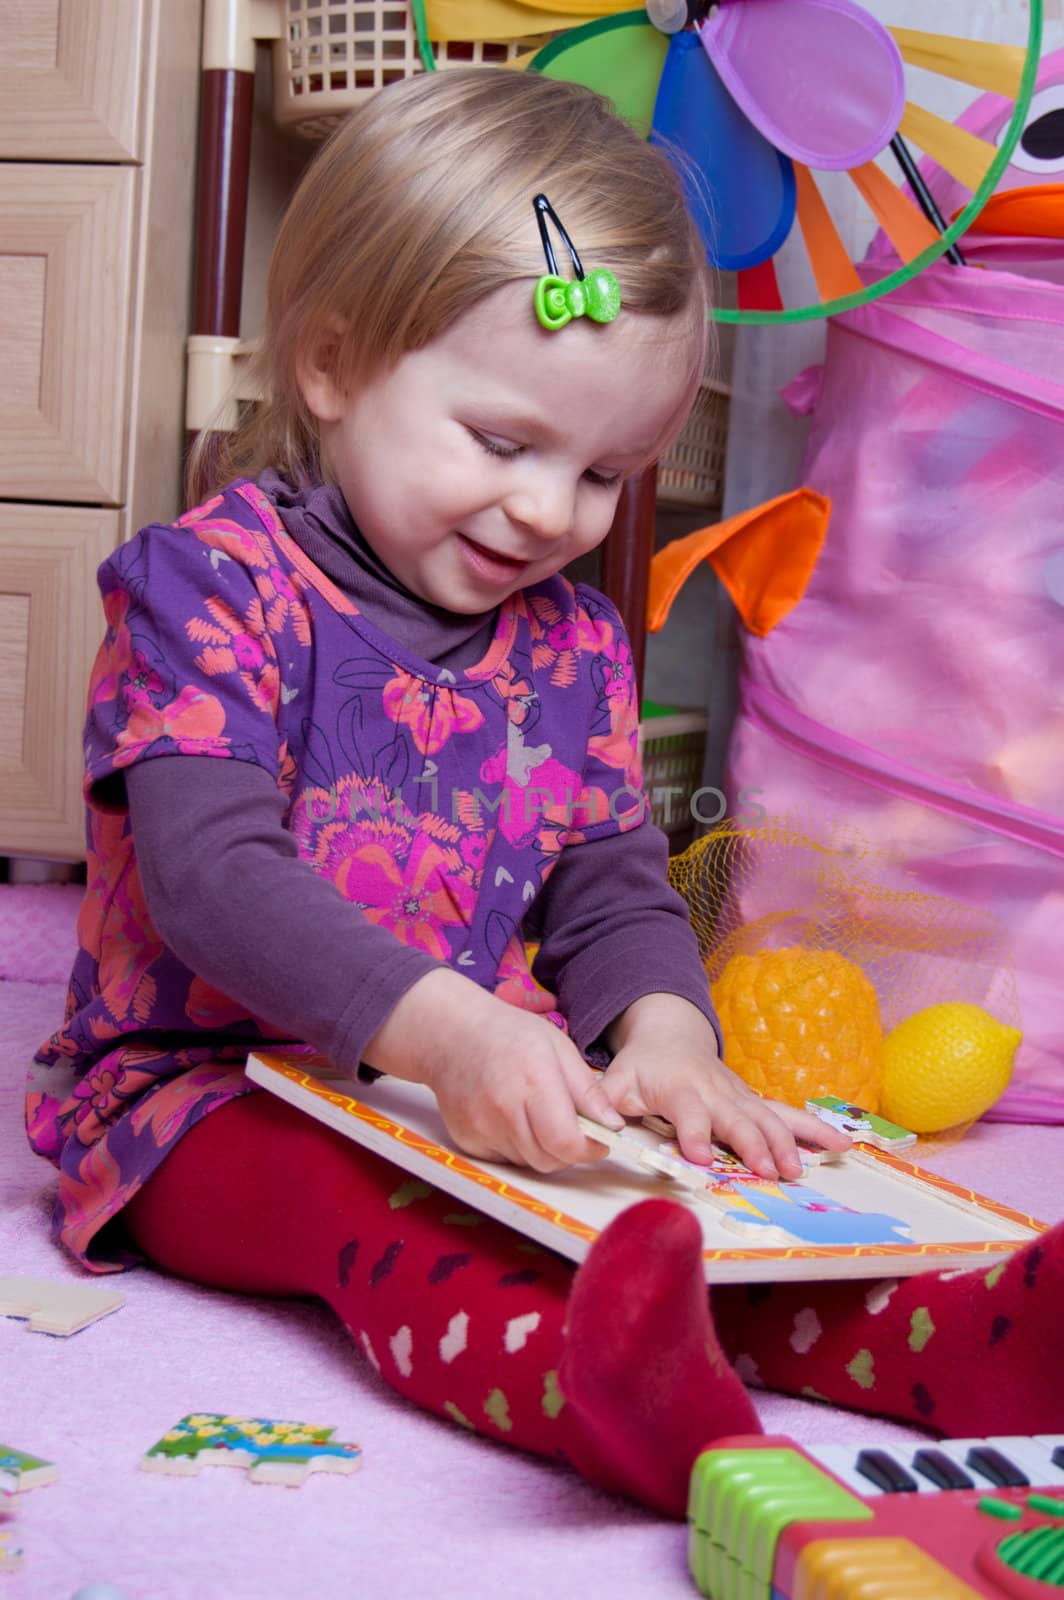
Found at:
[646, 1384]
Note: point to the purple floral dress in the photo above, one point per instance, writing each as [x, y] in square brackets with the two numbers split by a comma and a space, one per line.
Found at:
[436, 801]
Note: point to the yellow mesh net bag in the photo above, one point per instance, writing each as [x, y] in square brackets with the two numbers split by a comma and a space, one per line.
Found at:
[815, 949]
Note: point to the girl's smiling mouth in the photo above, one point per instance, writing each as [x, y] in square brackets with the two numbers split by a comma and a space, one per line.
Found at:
[488, 563]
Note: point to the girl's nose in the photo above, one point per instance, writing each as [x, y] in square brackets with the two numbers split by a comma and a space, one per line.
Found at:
[545, 506]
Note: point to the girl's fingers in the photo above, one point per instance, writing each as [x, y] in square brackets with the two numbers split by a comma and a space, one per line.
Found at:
[558, 1140]
[591, 1100]
[568, 1087]
[780, 1140]
[751, 1127]
[809, 1127]
[693, 1120]
[697, 1123]
[736, 1126]
[587, 1090]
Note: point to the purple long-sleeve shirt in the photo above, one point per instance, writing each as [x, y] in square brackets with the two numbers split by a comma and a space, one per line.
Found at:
[216, 860]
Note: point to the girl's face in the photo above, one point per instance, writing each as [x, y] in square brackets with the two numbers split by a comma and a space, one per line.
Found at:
[495, 455]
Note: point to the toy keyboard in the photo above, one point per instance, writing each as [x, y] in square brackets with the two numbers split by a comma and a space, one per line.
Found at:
[954, 1519]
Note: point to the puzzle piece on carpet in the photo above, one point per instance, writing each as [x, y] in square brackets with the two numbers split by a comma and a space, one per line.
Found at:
[56, 1306]
[19, 1471]
[273, 1452]
[864, 1127]
[11, 1551]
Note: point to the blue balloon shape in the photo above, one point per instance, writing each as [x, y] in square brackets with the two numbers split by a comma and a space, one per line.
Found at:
[742, 192]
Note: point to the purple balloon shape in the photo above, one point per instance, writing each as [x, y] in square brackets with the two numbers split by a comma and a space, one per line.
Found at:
[821, 79]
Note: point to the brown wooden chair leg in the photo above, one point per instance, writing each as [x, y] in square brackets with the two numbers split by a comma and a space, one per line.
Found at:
[222, 199]
[626, 555]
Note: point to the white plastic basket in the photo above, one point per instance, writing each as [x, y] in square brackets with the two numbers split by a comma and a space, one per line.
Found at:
[332, 53]
[673, 751]
[692, 472]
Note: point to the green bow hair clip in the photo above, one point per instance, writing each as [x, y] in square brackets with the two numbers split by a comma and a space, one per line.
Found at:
[557, 300]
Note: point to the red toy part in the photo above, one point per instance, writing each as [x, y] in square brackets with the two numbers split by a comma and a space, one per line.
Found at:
[769, 1522]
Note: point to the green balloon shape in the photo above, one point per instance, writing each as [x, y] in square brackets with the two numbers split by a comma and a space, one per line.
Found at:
[620, 57]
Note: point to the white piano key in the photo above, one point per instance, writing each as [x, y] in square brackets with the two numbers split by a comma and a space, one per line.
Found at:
[1031, 1453]
[939, 1469]
[957, 1450]
[1033, 1457]
[1051, 1441]
[841, 1459]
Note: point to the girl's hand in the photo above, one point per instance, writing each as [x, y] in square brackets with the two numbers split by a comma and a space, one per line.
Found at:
[509, 1084]
[666, 1063]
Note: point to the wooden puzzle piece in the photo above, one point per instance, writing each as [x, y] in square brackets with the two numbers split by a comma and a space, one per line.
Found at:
[726, 1167]
[765, 1211]
[273, 1452]
[864, 1127]
[713, 1182]
[812, 1155]
[626, 1145]
[11, 1551]
[667, 1160]
[58, 1307]
[759, 1234]
[19, 1471]
[799, 1212]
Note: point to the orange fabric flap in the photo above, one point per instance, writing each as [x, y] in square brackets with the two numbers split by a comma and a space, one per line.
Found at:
[1036, 212]
[764, 558]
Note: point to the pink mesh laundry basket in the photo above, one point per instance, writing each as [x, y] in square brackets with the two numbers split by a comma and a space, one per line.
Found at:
[917, 691]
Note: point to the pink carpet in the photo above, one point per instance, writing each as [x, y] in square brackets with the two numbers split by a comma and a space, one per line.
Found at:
[433, 1513]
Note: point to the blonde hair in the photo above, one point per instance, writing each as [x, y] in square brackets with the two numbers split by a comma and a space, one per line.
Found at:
[418, 206]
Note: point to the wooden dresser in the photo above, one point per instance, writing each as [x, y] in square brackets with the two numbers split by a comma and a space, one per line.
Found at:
[98, 115]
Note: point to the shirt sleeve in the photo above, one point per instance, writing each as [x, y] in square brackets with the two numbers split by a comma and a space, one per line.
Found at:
[613, 929]
[188, 665]
[216, 862]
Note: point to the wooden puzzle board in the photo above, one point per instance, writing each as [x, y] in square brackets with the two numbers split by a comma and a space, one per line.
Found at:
[917, 1220]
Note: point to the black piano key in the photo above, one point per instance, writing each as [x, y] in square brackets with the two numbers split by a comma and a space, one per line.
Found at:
[1057, 1457]
[996, 1466]
[886, 1473]
[941, 1470]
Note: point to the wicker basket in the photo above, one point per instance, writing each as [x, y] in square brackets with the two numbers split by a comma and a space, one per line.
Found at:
[673, 751]
[333, 53]
[692, 472]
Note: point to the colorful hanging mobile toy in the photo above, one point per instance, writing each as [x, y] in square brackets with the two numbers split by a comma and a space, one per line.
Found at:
[760, 96]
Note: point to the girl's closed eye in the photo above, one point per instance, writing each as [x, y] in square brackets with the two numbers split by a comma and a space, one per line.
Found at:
[508, 451]
[604, 480]
[496, 446]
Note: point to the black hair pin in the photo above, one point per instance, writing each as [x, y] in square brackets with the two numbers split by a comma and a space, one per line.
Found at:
[557, 300]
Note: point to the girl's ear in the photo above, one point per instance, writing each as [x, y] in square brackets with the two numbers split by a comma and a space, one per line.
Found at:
[317, 373]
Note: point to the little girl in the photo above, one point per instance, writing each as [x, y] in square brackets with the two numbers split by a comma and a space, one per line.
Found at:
[352, 740]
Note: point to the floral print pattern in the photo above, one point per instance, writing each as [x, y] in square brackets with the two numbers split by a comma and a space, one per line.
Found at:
[436, 803]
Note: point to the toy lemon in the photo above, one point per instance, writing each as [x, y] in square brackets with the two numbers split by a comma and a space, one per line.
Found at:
[946, 1064]
[799, 1023]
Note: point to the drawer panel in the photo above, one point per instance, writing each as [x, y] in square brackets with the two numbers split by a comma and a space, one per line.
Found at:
[65, 270]
[51, 625]
[70, 79]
